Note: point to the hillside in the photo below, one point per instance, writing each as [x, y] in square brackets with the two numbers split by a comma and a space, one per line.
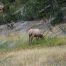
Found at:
[46, 47]
[26, 10]
[23, 26]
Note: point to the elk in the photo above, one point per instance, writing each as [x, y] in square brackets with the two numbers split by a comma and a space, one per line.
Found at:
[37, 33]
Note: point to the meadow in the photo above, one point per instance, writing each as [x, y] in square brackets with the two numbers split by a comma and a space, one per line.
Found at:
[15, 50]
[17, 41]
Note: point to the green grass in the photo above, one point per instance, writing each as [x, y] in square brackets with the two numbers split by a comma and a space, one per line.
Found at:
[55, 41]
[13, 42]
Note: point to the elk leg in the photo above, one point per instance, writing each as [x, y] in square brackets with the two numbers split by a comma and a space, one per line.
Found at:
[30, 39]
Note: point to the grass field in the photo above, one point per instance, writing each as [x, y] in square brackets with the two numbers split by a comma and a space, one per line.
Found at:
[16, 41]
[51, 56]
[16, 51]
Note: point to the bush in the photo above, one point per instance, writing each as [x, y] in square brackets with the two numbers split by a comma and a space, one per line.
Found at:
[2, 21]
[58, 19]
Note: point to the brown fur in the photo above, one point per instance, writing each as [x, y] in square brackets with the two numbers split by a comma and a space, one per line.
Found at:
[34, 33]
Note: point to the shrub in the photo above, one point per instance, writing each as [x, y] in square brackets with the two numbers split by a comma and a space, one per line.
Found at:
[58, 19]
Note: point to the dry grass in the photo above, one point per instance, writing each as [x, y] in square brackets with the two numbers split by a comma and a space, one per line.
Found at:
[37, 56]
[55, 56]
